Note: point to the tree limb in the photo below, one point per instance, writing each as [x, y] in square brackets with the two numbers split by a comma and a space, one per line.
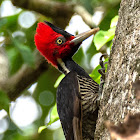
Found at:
[86, 16]
[48, 8]
[24, 77]
[4, 65]
[60, 12]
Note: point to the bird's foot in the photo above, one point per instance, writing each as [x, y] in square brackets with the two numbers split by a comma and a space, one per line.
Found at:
[102, 72]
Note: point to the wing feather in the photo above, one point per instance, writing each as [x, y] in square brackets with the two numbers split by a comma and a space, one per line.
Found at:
[69, 107]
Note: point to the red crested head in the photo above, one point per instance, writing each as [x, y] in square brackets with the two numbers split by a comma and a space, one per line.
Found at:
[54, 43]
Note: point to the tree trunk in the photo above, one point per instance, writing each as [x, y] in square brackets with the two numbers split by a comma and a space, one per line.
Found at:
[118, 99]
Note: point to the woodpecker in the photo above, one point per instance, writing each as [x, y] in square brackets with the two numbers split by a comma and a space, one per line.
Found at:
[77, 93]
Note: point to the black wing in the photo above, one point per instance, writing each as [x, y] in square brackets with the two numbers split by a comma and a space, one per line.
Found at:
[69, 107]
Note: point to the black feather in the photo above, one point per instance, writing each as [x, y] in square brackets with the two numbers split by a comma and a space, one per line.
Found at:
[69, 105]
[59, 30]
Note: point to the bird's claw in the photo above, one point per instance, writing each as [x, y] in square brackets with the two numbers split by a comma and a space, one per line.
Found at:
[102, 72]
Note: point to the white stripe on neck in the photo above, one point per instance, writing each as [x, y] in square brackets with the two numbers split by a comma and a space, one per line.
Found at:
[62, 64]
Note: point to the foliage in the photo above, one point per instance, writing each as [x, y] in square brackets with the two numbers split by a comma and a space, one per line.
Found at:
[102, 37]
[4, 101]
[18, 43]
[53, 117]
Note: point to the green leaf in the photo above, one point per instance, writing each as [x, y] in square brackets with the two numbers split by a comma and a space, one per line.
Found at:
[109, 14]
[53, 118]
[102, 37]
[1, 1]
[41, 128]
[4, 101]
[114, 21]
[95, 75]
[9, 23]
[53, 115]
[59, 80]
[15, 59]
[25, 52]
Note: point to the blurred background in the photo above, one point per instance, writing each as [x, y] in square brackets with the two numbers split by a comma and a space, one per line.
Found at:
[27, 82]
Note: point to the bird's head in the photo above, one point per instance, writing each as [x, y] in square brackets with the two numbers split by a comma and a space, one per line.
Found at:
[54, 43]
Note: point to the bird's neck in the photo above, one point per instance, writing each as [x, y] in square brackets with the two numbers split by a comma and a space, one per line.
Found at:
[68, 65]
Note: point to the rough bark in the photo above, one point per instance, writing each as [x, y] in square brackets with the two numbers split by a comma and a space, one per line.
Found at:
[118, 99]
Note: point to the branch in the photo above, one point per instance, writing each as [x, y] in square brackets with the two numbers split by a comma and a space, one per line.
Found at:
[4, 67]
[86, 16]
[60, 12]
[24, 77]
[48, 8]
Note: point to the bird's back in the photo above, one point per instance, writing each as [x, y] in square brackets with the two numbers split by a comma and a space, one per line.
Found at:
[77, 106]
[89, 94]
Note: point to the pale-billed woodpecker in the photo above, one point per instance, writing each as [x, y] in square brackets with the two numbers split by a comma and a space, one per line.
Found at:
[77, 94]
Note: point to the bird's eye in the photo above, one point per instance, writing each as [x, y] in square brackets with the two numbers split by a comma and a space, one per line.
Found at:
[60, 40]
